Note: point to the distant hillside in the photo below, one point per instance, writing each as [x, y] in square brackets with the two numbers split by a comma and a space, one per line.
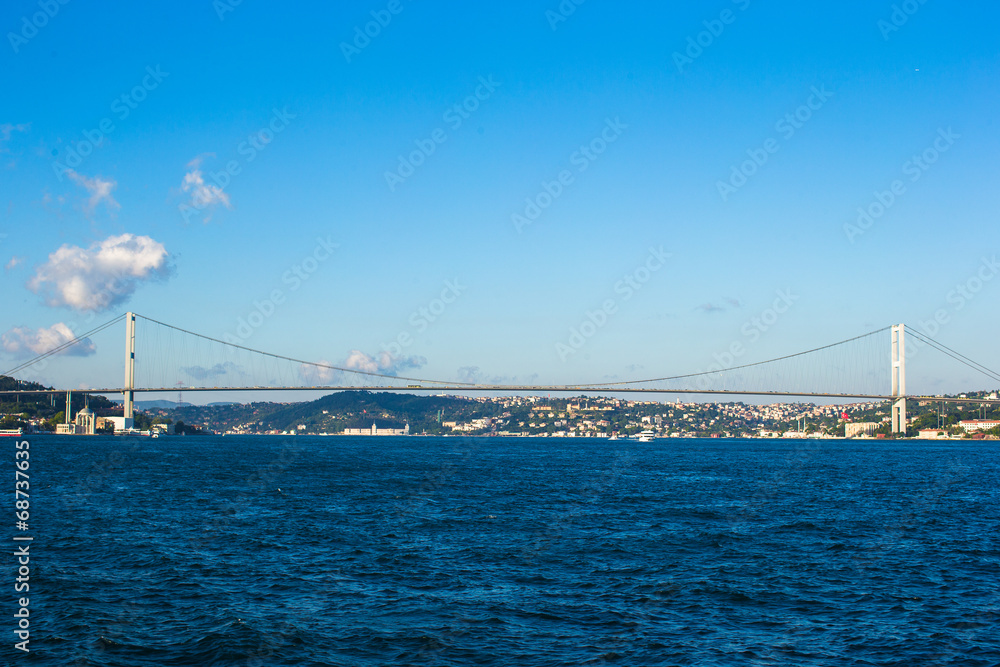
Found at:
[335, 412]
[151, 405]
[359, 409]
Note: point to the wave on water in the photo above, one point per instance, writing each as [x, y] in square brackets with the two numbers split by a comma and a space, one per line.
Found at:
[186, 554]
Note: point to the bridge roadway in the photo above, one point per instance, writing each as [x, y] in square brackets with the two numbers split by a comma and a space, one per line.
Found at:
[530, 389]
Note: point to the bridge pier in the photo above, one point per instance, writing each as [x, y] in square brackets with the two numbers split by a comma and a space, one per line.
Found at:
[899, 378]
[129, 369]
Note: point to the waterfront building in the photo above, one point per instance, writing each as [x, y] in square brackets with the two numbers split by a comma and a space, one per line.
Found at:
[973, 425]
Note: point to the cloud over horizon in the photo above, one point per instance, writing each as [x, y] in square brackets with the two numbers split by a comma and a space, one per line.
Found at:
[475, 375]
[102, 276]
[23, 342]
[218, 370]
[317, 375]
[383, 363]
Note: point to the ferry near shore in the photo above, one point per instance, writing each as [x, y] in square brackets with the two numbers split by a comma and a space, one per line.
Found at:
[11, 432]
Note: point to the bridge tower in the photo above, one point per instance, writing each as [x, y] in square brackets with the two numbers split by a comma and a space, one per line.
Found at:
[129, 368]
[899, 378]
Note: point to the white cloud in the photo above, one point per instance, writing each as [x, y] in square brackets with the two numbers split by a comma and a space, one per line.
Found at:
[382, 363]
[317, 375]
[218, 370]
[471, 374]
[402, 364]
[99, 189]
[475, 375]
[203, 195]
[102, 276]
[25, 342]
[359, 361]
[14, 263]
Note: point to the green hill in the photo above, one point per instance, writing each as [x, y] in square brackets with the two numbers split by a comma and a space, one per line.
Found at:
[335, 412]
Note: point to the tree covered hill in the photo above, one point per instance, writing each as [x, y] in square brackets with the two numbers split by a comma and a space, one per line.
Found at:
[359, 409]
[336, 412]
[45, 406]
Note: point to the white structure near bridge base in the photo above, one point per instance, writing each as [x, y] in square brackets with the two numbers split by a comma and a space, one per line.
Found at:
[122, 424]
[375, 430]
[853, 430]
[127, 421]
[899, 378]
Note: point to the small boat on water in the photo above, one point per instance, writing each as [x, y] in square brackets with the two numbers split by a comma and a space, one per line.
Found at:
[11, 432]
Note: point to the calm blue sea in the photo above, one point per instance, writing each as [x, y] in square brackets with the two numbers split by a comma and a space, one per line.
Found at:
[445, 551]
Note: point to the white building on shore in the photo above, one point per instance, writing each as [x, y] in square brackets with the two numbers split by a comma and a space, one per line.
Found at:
[375, 430]
[854, 429]
[973, 425]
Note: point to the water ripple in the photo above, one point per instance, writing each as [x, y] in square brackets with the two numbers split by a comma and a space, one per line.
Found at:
[426, 551]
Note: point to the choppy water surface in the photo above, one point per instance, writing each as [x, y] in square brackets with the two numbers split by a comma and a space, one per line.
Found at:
[441, 551]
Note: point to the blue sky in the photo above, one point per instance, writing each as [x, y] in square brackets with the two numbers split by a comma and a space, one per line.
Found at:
[310, 128]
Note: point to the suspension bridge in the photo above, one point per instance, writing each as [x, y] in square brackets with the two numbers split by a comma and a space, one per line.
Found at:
[157, 353]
